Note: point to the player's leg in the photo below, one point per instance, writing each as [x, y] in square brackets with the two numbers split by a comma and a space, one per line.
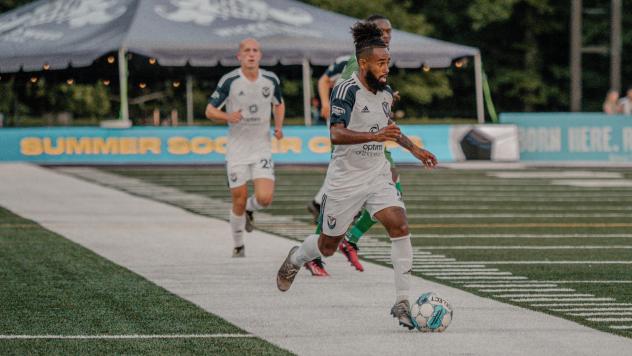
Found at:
[316, 266]
[263, 180]
[314, 206]
[387, 207]
[238, 219]
[337, 215]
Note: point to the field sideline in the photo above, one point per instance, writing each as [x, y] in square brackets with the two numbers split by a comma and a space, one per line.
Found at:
[496, 264]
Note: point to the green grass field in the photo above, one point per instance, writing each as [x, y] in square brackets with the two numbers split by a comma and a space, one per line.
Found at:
[51, 286]
[543, 243]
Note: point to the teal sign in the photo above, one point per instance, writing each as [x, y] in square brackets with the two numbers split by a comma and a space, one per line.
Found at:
[185, 145]
[572, 137]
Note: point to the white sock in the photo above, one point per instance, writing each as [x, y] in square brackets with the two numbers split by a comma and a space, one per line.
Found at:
[307, 251]
[318, 198]
[237, 224]
[402, 260]
[252, 204]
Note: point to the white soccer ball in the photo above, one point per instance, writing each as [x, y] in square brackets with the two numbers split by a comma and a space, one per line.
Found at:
[431, 312]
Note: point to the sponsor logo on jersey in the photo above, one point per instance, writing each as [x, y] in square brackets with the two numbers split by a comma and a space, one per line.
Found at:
[265, 91]
[337, 110]
[331, 221]
[365, 109]
[253, 108]
[387, 109]
[374, 129]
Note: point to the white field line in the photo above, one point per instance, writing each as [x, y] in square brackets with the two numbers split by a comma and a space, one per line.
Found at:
[601, 314]
[562, 300]
[432, 265]
[555, 174]
[422, 269]
[584, 208]
[571, 295]
[513, 216]
[579, 304]
[518, 236]
[132, 336]
[609, 319]
[469, 274]
[594, 309]
[538, 290]
[486, 278]
[513, 285]
[522, 247]
[556, 262]
[621, 327]
[592, 281]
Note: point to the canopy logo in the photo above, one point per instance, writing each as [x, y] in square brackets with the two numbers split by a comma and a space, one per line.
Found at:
[265, 20]
[37, 24]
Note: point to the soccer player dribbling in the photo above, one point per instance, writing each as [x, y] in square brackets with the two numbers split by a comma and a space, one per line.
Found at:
[249, 94]
[359, 173]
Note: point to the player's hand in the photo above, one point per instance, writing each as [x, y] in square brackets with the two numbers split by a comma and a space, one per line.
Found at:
[278, 134]
[396, 98]
[324, 111]
[389, 133]
[234, 117]
[426, 157]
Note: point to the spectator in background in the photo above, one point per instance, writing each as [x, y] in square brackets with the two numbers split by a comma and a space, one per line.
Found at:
[611, 104]
[625, 103]
[316, 118]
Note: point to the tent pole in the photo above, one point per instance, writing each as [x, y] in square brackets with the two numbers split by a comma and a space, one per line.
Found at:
[307, 93]
[189, 99]
[478, 78]
[122, 68]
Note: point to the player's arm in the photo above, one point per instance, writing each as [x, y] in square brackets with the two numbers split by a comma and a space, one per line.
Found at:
[340, 135]
[278, 110]
[216, 101]
[324, 84]
[426, 157]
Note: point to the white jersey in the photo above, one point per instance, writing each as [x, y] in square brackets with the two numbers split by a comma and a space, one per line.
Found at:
[249, 139]
[354, 166]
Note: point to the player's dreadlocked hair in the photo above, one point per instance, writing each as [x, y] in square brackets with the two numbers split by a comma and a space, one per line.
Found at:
[366, 35]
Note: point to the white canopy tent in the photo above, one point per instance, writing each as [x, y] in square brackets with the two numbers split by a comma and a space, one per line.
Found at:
[60, 33]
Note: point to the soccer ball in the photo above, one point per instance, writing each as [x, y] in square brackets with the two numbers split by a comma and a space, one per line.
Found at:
[431, 312]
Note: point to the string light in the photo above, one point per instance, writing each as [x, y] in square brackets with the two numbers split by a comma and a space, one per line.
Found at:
[106, 82]
[142, 85]
[460, 63]
[176, 84]
[46, 66]
[111, 59]
[34, 79]
[70, 81]
[152, 61]
[425, 68]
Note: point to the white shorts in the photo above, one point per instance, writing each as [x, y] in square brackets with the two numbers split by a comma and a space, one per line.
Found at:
[240, 174]
[338, 212]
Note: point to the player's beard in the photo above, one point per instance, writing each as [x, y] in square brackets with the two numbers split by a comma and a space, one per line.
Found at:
[373, 81]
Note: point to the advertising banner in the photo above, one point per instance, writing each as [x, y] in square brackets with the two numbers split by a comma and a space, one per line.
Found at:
[207, 145]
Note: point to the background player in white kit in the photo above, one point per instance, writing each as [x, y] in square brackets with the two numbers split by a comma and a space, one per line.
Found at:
[359, 173]
[249, 94]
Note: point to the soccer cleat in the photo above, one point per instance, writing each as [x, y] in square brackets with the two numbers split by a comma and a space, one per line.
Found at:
[314, 208]
[317, 268]
[239, 251]
[250, 219]
[401, 312]
[350, 250]
[287, 272]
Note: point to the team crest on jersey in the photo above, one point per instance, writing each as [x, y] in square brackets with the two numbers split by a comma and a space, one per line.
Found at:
[266, 92]
[253, 109]
[233, 177]
[331, 221]
[387, 109]
[374, 129]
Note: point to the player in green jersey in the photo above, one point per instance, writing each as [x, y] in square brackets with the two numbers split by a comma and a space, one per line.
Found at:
[336, 73]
